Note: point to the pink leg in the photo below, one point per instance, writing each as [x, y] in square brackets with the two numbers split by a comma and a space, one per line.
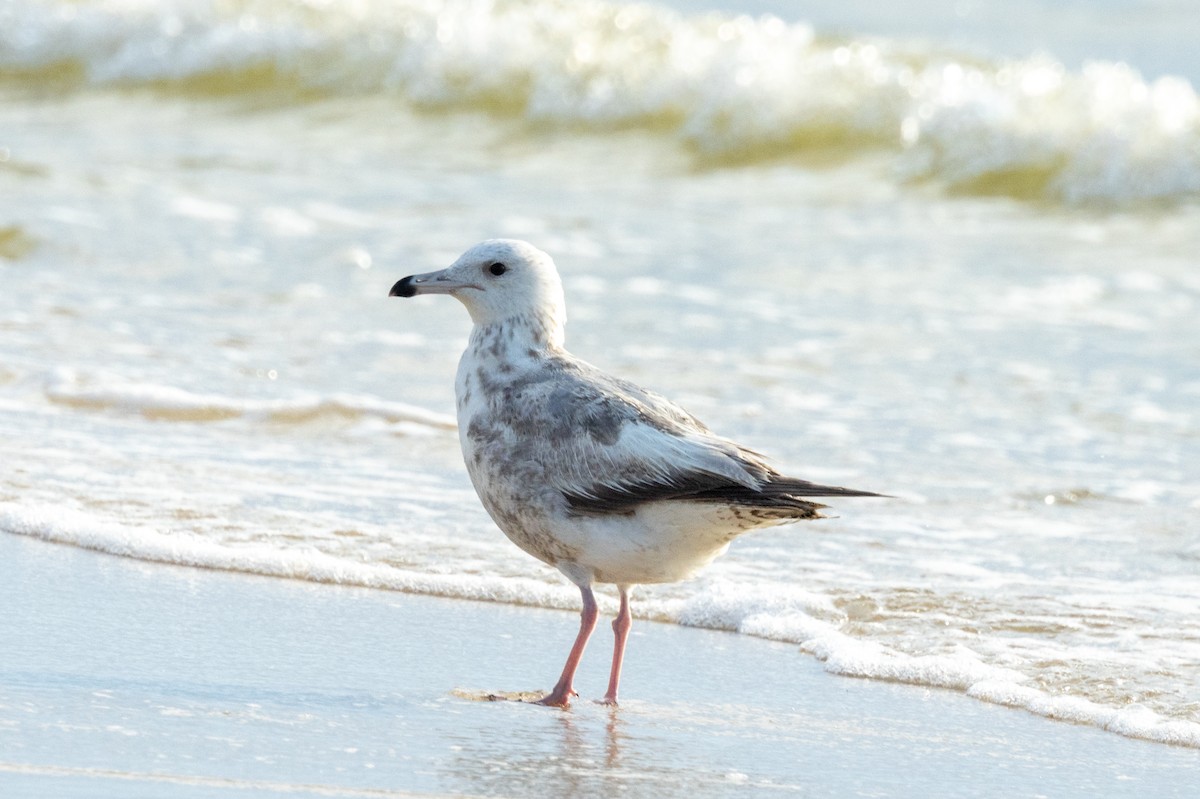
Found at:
[621, 625]
[563, 691]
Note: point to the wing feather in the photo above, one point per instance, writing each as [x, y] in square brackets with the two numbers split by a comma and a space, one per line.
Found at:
[617, 446]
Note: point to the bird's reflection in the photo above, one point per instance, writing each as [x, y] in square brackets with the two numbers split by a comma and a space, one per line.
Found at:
[613, 737]
[577, 752]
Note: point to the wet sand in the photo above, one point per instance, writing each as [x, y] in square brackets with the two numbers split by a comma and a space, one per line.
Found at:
[126, 679]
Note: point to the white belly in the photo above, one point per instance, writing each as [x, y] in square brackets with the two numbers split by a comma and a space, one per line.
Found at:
[660, 542]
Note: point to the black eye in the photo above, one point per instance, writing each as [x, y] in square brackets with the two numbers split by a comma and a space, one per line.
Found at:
[497, 269]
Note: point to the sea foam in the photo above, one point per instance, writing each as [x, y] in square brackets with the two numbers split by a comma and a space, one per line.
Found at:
[731, 89]
[68, 387]
[798, 617]
[144, 542]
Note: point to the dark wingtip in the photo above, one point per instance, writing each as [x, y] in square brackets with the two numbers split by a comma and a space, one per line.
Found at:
[803, 488]
[854, 492]
[404, 288]
[834, 491]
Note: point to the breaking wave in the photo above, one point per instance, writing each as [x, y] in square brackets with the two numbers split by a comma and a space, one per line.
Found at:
[732, 89]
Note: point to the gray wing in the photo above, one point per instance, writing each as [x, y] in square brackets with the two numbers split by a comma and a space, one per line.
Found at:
[617, 446]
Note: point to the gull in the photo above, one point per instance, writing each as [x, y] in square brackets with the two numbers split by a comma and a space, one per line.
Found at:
[591, 474]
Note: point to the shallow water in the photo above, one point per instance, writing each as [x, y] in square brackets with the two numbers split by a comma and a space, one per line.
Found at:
[240, 686]
[966, 281]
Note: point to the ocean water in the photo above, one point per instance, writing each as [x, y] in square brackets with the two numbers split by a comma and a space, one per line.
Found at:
[951, 257]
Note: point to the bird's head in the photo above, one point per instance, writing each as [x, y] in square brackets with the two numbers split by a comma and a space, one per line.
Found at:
[498, 280]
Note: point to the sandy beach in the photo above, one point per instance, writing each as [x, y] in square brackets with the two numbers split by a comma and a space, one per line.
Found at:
[126, 679]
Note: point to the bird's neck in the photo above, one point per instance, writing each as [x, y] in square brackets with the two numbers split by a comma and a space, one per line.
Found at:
[518, 337]
[497, 355]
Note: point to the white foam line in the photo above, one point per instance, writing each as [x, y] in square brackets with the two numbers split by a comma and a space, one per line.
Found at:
[62, 526]
[1133, 721]
[169, 402]
[789, 619]
[786, 618]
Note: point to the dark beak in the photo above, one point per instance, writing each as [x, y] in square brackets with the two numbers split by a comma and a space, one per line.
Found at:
[430, 283]
[404, 287]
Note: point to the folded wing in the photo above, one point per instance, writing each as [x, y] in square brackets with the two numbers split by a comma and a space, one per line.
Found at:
[631, 447]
